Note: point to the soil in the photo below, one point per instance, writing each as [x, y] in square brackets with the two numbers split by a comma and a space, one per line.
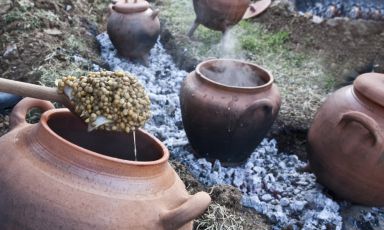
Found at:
[347, 47]
[36, 35]
[39, 40]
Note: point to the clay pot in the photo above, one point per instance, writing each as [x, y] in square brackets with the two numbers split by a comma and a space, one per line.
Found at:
[133, 28]
[346, 141]
[218, 14]
[56, 175]
[227, 107]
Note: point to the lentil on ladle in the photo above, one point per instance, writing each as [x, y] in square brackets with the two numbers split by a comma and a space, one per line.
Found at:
[107, 100]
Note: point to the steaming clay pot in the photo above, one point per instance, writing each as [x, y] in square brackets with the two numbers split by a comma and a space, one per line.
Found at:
[227, 107]
[56, 175]
[133, 28]
[218, 14]
[346, 141]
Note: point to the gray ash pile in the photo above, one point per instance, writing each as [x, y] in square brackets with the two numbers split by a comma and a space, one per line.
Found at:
[271, 182]
[354, 9]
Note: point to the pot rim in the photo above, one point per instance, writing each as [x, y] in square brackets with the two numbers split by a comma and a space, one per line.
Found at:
[268, 84]
[130, 7]
[369, 86]
[78, 149]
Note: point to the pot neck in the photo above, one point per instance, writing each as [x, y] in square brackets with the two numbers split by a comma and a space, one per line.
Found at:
[264, 75]
[61, 151]
[130, 7]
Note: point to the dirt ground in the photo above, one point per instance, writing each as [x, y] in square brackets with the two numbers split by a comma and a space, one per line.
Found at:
[346, 47]
[41, 40]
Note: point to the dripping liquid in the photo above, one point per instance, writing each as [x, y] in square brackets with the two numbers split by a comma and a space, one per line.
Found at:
[134, 144]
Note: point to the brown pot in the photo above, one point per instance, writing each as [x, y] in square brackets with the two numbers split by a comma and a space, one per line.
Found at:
[346, 141]
[133, 28]
[56, 175]
[227, 114]
[218, 14]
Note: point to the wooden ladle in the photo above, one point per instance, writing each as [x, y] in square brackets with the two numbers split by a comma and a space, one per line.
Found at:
[35, 91]
[45, 93]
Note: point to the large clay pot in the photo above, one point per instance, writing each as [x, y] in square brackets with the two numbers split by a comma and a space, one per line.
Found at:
[346, 141]
[227, 108]
[56, 175]
[133, 28]
[218, 14]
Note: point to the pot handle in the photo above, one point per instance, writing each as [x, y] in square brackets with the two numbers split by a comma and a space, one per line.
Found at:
[20, 111]
[366, 121]
[193, 207]
[264, 103]
[155, 13]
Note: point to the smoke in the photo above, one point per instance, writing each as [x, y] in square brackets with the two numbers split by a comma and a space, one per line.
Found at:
[232, 73]
[229, 46]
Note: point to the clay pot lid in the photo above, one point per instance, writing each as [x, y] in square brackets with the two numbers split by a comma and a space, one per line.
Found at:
[256, 8]
[130, 6]
[371, 85]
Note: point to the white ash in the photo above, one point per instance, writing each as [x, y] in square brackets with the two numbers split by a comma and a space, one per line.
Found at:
[270, 181]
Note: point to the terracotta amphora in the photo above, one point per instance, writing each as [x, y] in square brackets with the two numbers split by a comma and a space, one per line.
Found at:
[218, 14]
[227, 107]
[56, 175]
[346, 141]
[133, 28]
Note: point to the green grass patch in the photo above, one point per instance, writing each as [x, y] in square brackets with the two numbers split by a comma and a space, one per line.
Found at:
[254, 38]
[329, 83]
[15, 15]
[75, 45]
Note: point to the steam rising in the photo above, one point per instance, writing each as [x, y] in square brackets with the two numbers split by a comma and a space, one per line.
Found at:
[232, 74]
[228, 44]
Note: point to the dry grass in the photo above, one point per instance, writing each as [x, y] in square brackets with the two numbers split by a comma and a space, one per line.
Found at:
[58, 69]
[218, 217]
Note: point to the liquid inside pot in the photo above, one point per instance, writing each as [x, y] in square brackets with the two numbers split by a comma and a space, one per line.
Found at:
[110, 143]
[233, 74]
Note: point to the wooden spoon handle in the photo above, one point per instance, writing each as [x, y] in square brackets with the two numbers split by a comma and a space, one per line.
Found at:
[32, 90]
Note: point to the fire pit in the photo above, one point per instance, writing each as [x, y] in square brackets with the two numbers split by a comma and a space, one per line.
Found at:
[271, 180]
